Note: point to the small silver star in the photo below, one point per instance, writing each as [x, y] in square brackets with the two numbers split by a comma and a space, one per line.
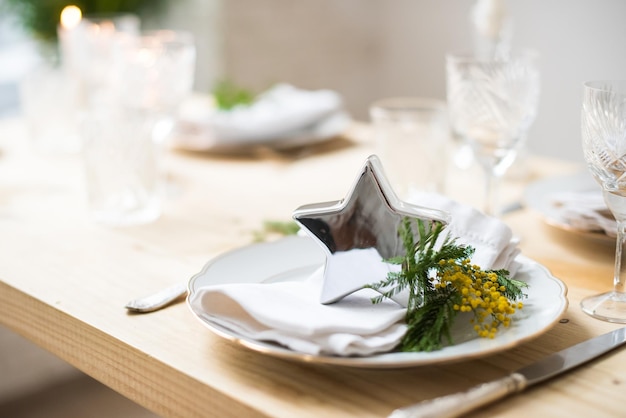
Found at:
[360, 231]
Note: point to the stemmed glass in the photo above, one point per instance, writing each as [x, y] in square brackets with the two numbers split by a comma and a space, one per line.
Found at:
[492, 103]
[604, 146]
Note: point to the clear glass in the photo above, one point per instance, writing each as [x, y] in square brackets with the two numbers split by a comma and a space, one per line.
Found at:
[122, 166]
[127, 123]
[89, 49]
[604, 145]
[157, 70]
[491, 104]
[411, 138]
[50, 101]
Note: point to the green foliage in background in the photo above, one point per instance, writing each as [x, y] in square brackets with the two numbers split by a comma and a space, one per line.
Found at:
[41, 17]
[278, 228]
[228, 95]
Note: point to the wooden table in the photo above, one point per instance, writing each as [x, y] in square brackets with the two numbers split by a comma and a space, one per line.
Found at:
[64, 281]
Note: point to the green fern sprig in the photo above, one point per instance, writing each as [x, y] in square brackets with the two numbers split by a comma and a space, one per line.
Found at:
[433, 306]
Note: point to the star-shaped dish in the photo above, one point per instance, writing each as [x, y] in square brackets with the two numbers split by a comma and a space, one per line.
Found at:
[360, 231]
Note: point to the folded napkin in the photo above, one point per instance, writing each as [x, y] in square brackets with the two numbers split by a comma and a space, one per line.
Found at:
[281, 114]
[585, 211]
[290, 313]
[493, 241]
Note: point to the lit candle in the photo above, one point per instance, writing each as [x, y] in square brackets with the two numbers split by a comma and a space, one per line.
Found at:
[69, 39]
[70, 17]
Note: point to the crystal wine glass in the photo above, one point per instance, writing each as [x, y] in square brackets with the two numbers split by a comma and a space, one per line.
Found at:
[604, 146]
[492, 103]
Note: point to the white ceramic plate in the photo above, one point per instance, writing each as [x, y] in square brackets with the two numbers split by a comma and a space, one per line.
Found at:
[192, 133]
[538, 196]
[294, 258]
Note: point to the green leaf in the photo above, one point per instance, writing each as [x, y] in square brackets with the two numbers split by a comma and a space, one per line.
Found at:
[227, 95]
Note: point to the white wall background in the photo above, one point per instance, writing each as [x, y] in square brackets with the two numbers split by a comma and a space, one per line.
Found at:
[368, 49]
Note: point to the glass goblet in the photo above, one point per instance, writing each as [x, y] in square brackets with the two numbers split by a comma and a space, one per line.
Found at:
[604, 146]
[492, 103]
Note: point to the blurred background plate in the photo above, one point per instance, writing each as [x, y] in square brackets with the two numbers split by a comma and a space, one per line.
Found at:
[539, 196]
[193, 131]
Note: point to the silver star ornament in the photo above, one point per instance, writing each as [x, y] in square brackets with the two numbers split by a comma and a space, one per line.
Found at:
[360, 232]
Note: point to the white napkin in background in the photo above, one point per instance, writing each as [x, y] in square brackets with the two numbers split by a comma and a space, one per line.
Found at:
[281, 114]
[585, 211]
[290, 312]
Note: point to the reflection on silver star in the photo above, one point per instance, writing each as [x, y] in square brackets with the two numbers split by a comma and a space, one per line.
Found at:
[360, 231]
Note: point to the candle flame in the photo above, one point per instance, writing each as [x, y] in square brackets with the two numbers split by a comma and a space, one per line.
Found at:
[70, 17]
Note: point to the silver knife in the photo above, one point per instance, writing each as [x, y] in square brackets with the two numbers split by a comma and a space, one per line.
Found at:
[457, 404]
[158, 300]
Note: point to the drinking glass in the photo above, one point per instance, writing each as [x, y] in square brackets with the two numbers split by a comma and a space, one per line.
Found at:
[157, 70]
[491, 104]
[411, 137]
[122, 166]
[125, 128]
[50, 101]
[604, 146]
[89, 50]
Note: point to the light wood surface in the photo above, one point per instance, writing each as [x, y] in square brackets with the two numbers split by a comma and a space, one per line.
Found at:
[64, 281]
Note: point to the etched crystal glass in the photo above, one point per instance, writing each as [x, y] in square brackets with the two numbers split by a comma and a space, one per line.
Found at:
[604, 146]
[492, 103]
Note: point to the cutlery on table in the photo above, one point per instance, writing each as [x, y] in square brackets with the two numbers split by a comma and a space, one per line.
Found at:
[460, 403]
[158, 300]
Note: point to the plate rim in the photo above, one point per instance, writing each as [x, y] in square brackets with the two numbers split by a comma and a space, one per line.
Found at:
[380, 360]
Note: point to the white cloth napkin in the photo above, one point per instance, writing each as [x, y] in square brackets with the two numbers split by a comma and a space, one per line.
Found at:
[493, 241]
[290, 313]
[585, 211]
[283, 114]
